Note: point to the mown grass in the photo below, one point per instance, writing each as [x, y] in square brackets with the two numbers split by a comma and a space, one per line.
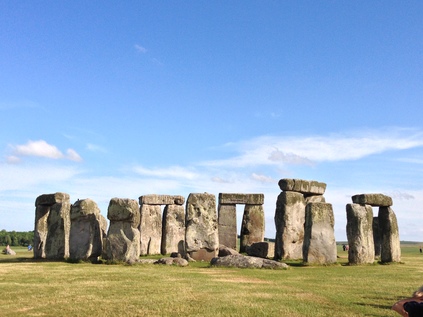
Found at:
[40, 288]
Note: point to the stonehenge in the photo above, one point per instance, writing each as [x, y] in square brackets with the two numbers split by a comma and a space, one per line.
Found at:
[370, 236]
[196, 230]
[309, 238]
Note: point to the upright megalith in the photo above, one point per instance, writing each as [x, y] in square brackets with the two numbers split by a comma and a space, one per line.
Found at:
[201, 236]
[319, 245]
[52, 226]
[390, 241]
[252, 227]
[150, 229]
[88, 231]
[290, 214]
[123, 237]
[173, 238]
[227, 225]
[162, 234]
[360, 234]
[377, 237]
[289, 222]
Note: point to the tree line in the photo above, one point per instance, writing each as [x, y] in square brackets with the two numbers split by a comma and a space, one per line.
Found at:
[16, 238]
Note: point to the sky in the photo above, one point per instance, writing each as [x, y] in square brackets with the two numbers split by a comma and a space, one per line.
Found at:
[103, 99]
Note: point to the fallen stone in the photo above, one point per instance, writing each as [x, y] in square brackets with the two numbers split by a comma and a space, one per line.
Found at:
[262, 250]
[302, 186]
[375, 200]
[172, 261]
[224, 251]
[242, 261]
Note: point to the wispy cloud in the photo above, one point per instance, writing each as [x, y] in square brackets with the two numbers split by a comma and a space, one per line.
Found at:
[95, 148]
[41, 148]
[306, 150]
[172, 172]
[140, 48]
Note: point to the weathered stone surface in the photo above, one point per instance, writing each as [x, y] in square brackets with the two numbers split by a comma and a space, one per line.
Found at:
[172, 261]
[123, 236]
[315, 199]
[242, 261]
[372, 200]
[150, 229]
[173, 238]
[390, 241]
[360, 234]
[252, 227]
[289, 221]
[227, 225]
[377, 236]
[124, 209]
[51, 199]
[52, 226]
[262, 250]
[302, 186]
[123, 242]
[224, 251]
[245, 199]
[161, 200]
[87, 231]
[201, 226]
[319, 237]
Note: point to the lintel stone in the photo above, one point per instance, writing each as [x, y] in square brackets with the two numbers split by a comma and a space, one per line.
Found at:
[51, 199]
[375, 200]
[161, 200]
[247, 199]
[302, 186]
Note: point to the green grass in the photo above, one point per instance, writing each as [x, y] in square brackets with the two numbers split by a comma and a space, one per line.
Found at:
[41, 288]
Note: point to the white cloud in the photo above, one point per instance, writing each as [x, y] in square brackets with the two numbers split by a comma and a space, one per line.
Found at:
[41, 148]
[172, 172]
[277, 150]
[73, 156]
[263, 178]
[95, 148]
[140, 48]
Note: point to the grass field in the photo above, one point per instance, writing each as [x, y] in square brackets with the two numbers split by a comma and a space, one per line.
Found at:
[30, 288]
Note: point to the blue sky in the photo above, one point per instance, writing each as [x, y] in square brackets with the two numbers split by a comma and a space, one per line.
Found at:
[122, 99]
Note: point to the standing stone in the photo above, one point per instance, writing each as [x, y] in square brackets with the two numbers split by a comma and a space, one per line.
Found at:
[377, 236]
[150, 229]
[52, 226]
[360, 234]
[227, 225]
[173, 239]
[201, 236]
[252, 228]
[390, 241]
[123, 237]
[289, 221]
[319, 238]
[87, 231]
